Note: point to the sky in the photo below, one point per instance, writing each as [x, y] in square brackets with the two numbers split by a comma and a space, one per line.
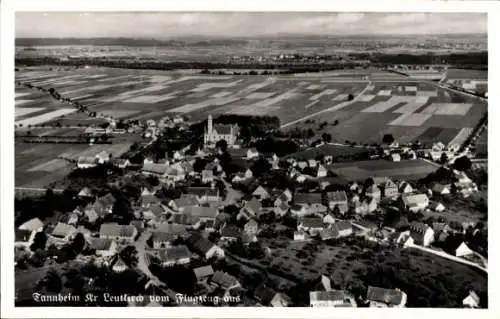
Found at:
[164, 25]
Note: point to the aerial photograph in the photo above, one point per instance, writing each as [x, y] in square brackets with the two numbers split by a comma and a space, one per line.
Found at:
[251, 159]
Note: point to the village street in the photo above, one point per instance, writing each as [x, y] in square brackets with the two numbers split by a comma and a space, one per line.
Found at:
[140, 245]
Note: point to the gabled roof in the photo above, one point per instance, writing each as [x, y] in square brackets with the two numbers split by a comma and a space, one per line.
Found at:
[63, 230]
[260, 190]
[176, 229]
[186, 200]
[224, 279]
[341, 225]
[332, 295]
[418, 227]
[415, 199]
[204, 211]
[150, 199]
[185, 218]
[387, 296]
[253, 206]
[474, 296]
[202, 191]
[389, 184]
[405, 186]
[154, 168]
[440, 187]
[115, 230]
[85, 192]
[199, 243]
[157, 209]
[32, 224]
[203, 272]
[100, 243]
[87, 160]
[171, 253]
[308, 198]
[339, 196]
[107, 200]
[312, 222]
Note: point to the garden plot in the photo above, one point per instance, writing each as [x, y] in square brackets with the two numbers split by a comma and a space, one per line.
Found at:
[151, 99]
[44, 117]
[427, 93]
[50, 166]
[412, 105]
[159, 78]
[254, 110]
[21, 102]
[383, 106]
[259, 95]
[460, 138]
[203, 104]
[366, 97]
[340, 97]
[284, 96]
[21, 94]
[208, 86]
[26, 110]
[221, 94]
[257, 86]
[384, 93]
[91, 88]
[411, 119]
[448, 108]
[323, 93]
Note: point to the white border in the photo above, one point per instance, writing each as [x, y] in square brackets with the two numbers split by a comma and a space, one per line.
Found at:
[8, 7]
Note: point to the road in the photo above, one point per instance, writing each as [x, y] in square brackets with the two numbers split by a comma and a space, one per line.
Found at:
[330, 109]
[448, 256]
[140, 245]
[232, 195]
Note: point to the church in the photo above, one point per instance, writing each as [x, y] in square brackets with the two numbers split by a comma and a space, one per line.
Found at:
[217, 132]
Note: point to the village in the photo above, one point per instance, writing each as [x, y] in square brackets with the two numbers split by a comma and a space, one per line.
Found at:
[196, 225]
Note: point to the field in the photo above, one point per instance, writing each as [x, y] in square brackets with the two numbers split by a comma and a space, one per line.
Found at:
[404, 170]
[382, 103]
[475, 81]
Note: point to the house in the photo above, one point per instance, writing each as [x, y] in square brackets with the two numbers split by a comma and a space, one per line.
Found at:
[207, 176]
[327, 233]
[154, 212]
[63, 232]
[281, 300]
[121, 162]
[252, 153]
[203, 273]
[329, 218]
[282, 209]
[33, 224]
[170, 256]
[162, 239]
[251, 227]
[224, 280]
[85, 162]
[204, 213]
[104, 247]
[149, 200]
[24, 238]
[85, 193]
[154, 169]
[302, 164]
[437, 207]
[90, 214]
[218, 132]
[312, 225]
[250, 209]
[204, 247]
[342, 228]
[441, 189]
[373, 191]
[395, 157]
[368, 206]
[390, 189]
[204, 194]
[241, 177]
[261, 193]
[321, 171]
[184, 201]
[381, 297]
[404, 238]
[70, 219]
[313, 202]
[299, 235]
[421, 233]
[284, 197]
[337, 200]
[174, 174]
[471, 301]
[103, 157]
[230, 233]
[405, 188]
[118, 232]
[312, 163]
[117, 264]
[463, 250]
[332, 298]
[415, 202]
[104, 204]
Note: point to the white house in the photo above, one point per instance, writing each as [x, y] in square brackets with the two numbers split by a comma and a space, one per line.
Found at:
[421, 233]
[463, 250]
[415, 202]
[471, 301]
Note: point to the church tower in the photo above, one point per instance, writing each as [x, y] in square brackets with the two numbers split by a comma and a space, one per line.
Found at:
[209, 126]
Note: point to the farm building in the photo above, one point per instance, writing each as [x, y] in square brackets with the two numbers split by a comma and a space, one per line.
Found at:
[415, 202]
[312, 225]
[118, 232]
[441, 189]
[332, 298]
[389, 189]
[218, 132]
[471, 301]
[204, 247]
[421, 233]
[382, 298]
[337, 200]
[437, 207]
[86, 162]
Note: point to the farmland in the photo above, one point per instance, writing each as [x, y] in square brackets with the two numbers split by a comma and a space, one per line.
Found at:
[364, 104]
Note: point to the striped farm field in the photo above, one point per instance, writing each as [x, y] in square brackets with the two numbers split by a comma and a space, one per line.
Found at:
[44, 117]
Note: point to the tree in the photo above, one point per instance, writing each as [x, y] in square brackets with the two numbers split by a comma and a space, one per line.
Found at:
[39, 241]
[78, 243]
[444, 158]
[52, 281]
[350, 97]
[129, 256]
[222, 145]
[199, 165]
[260, 167]
[388, 139]
[462, 163]
[327, 138]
